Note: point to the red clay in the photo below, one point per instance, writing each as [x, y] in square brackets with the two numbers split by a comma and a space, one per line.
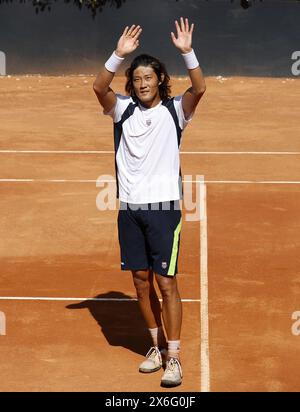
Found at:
[56, 243]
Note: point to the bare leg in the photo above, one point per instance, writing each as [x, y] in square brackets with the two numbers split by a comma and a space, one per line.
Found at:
[171, 307]
[147, 297]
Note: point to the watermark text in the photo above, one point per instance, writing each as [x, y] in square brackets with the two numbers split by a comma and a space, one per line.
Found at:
[2, 323]
[296, 65]
[296, 325]
[188, 189]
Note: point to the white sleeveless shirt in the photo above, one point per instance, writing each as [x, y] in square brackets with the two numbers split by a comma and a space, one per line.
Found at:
[147, 143]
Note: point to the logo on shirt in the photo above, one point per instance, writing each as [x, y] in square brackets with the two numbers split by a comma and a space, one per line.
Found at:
[148, 122]
[164, 265]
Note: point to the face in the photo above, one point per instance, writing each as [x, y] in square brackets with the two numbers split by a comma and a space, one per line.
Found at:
[145, 83]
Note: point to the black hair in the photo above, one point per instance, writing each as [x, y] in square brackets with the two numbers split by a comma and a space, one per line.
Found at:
[158, 67]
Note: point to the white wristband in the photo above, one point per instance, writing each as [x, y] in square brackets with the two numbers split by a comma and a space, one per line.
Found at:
[190, 60]
[113, 63]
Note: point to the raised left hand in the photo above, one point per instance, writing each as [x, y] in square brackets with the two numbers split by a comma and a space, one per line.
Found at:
[183, 42]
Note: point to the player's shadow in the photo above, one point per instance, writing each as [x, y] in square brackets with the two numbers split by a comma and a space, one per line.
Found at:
[121, 322]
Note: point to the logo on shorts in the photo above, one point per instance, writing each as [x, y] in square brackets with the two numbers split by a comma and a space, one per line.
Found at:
[164, 265]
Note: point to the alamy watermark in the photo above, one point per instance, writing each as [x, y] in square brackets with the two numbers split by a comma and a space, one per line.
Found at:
[2, 64]
[154, 186]
[2, 323]
[296, 325]
[296, 65]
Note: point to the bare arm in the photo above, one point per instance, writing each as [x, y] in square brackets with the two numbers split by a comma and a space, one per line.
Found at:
[127, 43]
[183, 42]
[104, 93]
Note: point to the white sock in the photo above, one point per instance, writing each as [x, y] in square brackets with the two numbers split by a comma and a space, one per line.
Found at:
[173, 348]
[157, 335]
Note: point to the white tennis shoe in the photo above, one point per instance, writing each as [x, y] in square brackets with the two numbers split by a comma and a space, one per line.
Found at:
[155, 359]
[173, 373]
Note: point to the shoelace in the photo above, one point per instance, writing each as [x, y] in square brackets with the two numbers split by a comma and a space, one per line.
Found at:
[152, 353]
[172, 364]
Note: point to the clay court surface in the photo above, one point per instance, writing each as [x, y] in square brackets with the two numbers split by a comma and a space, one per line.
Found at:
[55, 243]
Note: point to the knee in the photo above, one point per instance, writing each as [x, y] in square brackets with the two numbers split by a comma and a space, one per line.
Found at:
[142, 286]
[168, 288]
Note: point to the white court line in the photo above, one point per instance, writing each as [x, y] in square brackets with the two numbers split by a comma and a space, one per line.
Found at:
[82, 299]
[184, 152]
[243, 153]
[56, 181]
[204, 326]
[271, 182]
[59, 151]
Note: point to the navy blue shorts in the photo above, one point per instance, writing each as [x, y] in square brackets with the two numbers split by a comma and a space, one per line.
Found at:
[149, 236]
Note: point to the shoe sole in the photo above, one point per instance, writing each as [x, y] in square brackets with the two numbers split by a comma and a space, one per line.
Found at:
[149, 370]
[170, 384]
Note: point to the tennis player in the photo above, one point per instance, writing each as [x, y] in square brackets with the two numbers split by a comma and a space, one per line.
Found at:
[148, 125]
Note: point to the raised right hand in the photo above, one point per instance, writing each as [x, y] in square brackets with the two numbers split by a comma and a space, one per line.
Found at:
[129, 41]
